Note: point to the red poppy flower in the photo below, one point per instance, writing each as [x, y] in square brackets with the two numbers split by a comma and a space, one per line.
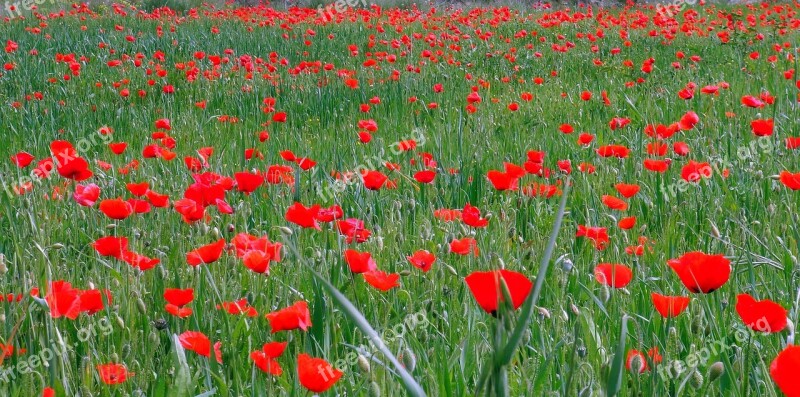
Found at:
[206, 254]
[163, 124]
[701, 272]
[139, 261]
[359, 262]
[762, 127]
[784, 370]
[761, 316]
[238, 307]
[111, 246]
[248, 182]
[22, 159]
[257, 261]
[116, 208]
[425, 176]
[293, 317]
[614, 203]
[613, 275]
[790, 180]
[486, 288]
[86, 195]
[316, 374]
[422, 259]
[353, 229]
[464, 246]
[598, 235]
[688, 121]
[502, 180]
[374, 180]
[627, 190]
[330, 214]
[381, 280]
[113, 374]
[265, 358]
[471, 216]
[197, 342]
[190, 210]
[693, 171]
[118, 148]
[656, 165]
[670, 306]
[303, 216]
[138, 189]
[179, 297]
[627, 223]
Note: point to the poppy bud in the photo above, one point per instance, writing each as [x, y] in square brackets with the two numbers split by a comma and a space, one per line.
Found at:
[114, 357]
[409, 360]
[374, 389]
[451, 270]
[141, 306]
[111, 226]
[605, 294]
[285, 230]
[215, 232]
[636, 364]
[57, 246]
[121, 324]
[543, 313]
[696, 381]
[575, 309]
[567, 265]
[231, 228]
[126, 350]
[363, 364]
[3, 267]
[405, 272]
[714, 231]
[715, 371]
[697, 324]
[153, 338]
[564, 315]
[2, 318]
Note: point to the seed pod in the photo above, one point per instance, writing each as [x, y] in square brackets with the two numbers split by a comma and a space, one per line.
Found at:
[160, 324]
[581, 351]
[715, 371]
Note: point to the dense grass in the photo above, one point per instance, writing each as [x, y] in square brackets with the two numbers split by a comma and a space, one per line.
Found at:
[569, 347]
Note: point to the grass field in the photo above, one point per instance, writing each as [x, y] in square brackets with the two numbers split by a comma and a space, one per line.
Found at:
[378, 202]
